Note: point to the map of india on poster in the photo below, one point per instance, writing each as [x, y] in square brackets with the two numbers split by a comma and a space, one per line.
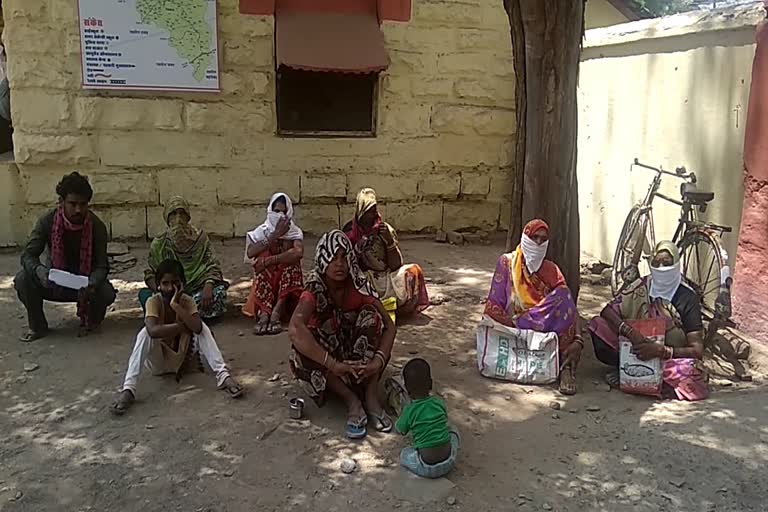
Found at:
[149, 44]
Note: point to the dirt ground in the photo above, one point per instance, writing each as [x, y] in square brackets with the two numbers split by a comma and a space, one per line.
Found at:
[188, 447]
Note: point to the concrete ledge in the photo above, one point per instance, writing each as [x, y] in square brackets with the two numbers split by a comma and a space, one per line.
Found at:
[695, 22]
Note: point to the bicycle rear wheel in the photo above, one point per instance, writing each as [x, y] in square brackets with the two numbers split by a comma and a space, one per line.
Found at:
[635, 226]
[704, 262]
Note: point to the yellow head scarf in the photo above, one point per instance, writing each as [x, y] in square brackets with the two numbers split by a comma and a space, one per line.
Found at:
[366, 199]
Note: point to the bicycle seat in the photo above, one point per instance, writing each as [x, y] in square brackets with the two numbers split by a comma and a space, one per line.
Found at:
[694, 196]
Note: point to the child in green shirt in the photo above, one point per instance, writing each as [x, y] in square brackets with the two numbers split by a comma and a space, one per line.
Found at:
[435, 443]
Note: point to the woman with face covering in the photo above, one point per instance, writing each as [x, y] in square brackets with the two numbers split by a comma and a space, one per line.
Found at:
[274, 249]
[190, 246]
[662, 295]
[378, 252]
[529, 292]
[342, 337]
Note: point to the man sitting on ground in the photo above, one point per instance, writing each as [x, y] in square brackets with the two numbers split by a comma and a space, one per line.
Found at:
[74, 240]
[173, 339]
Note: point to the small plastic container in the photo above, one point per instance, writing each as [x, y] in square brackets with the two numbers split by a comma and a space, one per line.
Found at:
[390, 306]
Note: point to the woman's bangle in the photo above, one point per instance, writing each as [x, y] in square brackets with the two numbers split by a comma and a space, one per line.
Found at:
[578, 339]
[380, 357]
[325, 360]
[623, 328]
[383, 356]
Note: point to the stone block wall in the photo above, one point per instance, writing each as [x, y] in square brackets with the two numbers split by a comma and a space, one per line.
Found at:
[669, 91]
[441, 158]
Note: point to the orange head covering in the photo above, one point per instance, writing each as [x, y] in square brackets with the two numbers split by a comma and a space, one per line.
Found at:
[535, 225]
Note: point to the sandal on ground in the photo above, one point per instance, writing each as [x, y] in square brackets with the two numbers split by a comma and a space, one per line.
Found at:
[124, 401]
[568, 381]
[612, 378]
[31, 335]
[274, 327]
[233, 389]
[261, 328]
[380, 422]
[743, 350]
[356, 428]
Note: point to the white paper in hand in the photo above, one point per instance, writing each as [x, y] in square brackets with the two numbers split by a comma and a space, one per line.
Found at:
[67, 280]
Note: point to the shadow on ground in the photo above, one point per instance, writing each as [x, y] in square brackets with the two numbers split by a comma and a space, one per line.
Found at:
[185, 446]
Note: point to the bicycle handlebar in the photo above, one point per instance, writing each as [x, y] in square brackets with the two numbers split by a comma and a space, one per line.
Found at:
[679, 172]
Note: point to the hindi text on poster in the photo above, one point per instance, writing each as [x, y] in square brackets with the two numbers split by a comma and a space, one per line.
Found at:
[149, 44]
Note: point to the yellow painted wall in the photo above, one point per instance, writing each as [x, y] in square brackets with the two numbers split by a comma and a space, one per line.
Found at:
[600, 13]
[670, 92]
[442, 156]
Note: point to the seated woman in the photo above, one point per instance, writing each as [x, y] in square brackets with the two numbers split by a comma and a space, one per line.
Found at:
[275, 249]
[663, 295]
[530, 292]
[342, 337]
[377, 250]
[191, 247]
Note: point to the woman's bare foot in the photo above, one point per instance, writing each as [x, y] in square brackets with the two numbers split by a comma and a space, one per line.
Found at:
[612, 379]
[568, 380]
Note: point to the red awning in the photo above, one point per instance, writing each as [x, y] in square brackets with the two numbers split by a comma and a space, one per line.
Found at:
[328, 41]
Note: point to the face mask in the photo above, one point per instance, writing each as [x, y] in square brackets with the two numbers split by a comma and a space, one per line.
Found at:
[533, 253]
[274, 217]
[665, 281]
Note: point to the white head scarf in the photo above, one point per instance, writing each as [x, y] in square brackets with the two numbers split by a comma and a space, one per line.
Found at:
[263, 231]
[533, 253]
[665, 281]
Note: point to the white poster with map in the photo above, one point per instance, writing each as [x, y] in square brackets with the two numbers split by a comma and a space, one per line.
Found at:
[149, 44]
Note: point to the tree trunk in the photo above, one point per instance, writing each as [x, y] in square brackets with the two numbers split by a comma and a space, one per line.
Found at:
[546, 43]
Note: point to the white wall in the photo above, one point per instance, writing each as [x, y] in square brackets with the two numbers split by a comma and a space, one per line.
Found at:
[670, 91]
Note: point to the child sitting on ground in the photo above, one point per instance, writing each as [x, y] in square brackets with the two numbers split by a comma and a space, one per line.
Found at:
[435, 443]
[173, 336]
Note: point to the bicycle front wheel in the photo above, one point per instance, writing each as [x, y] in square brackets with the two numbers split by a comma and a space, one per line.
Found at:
[634, 227]
[704, 262]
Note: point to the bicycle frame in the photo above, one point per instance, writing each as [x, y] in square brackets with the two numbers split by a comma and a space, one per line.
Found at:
[687, 213]
[687, 223]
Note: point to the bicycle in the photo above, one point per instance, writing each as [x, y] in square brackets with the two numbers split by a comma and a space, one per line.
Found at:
[699, 243]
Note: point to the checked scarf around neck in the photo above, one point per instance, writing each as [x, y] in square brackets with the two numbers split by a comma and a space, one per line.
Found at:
[58, 259]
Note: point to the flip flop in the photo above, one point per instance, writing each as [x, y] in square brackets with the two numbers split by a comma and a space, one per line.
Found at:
[274, 328]
[356, 428]
[234, 390]
[261, 328]
[743, 350]
[122, 403]
[31, 336]
[380, 422]
[612, 379]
